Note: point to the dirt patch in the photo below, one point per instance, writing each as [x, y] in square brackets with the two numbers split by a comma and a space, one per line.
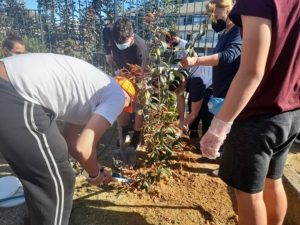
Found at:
[292, 185]
[294, 158]
[190, 197]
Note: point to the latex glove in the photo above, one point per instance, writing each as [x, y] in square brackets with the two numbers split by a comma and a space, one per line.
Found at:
[188, 61]
[214, 138]
[103, 177]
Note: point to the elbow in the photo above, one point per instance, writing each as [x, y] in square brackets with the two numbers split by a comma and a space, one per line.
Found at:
[229, 57]
[252, 74]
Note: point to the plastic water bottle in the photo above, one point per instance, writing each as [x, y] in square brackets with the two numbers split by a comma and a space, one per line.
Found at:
[215, 105]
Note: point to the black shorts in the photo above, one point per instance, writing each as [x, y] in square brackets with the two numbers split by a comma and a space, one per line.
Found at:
[257, 148]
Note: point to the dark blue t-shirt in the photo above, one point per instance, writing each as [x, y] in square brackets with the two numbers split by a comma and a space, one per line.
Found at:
[229, 50]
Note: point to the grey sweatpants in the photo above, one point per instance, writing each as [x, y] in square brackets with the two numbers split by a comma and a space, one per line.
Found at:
[36, 151]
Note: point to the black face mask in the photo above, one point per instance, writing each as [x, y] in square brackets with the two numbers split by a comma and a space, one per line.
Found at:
[218, 25]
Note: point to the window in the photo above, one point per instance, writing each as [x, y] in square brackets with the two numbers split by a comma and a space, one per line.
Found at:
[198, 19]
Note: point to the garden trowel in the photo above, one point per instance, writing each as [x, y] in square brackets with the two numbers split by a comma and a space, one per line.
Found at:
[125, 156]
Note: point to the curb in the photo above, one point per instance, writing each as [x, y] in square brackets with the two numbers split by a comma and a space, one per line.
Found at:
[291, 180]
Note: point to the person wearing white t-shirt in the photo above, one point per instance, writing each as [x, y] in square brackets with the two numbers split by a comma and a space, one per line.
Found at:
[196, 83]
[36, 90]
[175, 42]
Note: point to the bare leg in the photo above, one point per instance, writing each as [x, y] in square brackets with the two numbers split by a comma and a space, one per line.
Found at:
[251, 208]
[275, 200]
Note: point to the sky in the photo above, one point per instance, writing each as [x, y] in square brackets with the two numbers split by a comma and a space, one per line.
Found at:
[31, 4]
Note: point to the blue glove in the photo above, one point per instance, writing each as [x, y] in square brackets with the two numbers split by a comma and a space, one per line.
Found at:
[215, 105]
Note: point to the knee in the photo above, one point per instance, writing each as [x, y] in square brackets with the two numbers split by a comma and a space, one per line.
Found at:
[271, 184]
[243, 197]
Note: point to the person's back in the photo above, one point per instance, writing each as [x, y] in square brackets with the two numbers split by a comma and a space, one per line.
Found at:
[35, 89]
[279, 91]
[74, 87]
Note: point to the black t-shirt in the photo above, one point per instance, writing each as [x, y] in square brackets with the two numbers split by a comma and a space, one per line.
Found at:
[196, 88]
[135, 54]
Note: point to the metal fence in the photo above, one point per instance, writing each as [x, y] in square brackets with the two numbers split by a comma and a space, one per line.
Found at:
[75, 26]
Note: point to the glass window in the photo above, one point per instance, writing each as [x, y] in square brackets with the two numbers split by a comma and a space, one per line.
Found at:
[198, 19]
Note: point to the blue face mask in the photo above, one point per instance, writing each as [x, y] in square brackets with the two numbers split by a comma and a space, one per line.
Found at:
[124, 45]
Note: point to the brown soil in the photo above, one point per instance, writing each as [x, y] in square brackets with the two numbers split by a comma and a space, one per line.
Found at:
[202, 201]
[190, 197]
[294, 158]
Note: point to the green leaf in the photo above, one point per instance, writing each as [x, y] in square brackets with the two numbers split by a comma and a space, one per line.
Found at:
[163, 80]
[140, 112]
[153, 106]
[171, 129]
[147, 95]
[164, 171]
[145, 185]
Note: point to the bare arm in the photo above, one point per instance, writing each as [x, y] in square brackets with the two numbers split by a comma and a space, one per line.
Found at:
[83, 147]
[195, 108]
[255, 49]
[210, 60]
[71, 134]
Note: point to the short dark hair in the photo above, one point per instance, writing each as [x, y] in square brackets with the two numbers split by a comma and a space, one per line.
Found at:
[11, 40]
[170, 34]
[122, 30]
[178, 79]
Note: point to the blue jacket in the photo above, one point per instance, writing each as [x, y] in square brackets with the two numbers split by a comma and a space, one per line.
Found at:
[229, 50]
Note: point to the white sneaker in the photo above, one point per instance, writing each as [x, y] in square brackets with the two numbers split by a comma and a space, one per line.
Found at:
[127, 139]
[215, 173]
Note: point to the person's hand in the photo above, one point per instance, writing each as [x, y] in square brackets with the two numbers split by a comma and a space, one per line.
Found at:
[214, 138]
[181, 124]
[103, 177]
[181, 129]
[188, 61]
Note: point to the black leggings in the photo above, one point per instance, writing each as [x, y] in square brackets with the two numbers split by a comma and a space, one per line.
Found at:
[36, 151]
